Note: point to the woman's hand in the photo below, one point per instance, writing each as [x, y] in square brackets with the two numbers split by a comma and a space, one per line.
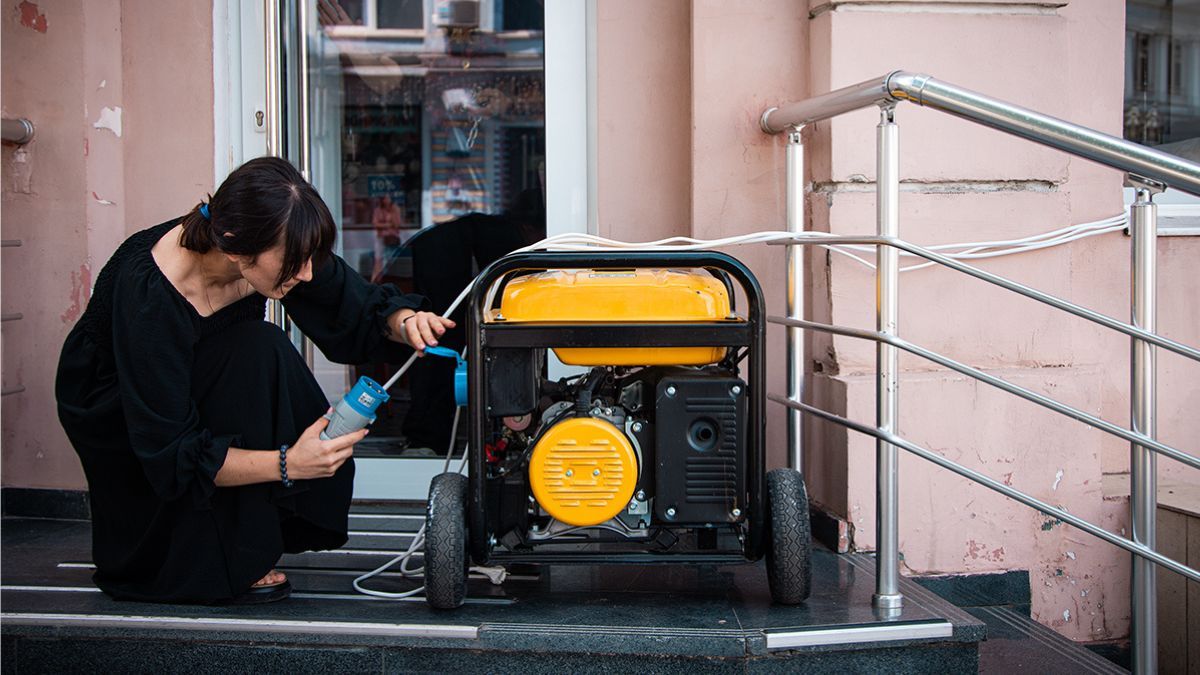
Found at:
[417, 329]
[312, 457]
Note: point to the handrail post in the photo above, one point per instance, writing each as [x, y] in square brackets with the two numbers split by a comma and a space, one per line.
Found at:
[795, 297]
[887, 549]
[1143, 463]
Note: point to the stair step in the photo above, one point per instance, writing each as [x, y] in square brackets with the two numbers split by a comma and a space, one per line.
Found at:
[567, 618]
[1016, 642]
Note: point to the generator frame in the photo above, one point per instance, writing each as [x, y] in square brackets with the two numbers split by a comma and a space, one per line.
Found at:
[483, 336]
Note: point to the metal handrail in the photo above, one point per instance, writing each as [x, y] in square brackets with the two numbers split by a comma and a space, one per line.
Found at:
[1016, 390]
[1031, 293]
[928, 92]
[1032, 502]
[1148, 171]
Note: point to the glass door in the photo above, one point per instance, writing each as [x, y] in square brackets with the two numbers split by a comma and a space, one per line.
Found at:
[423, 125]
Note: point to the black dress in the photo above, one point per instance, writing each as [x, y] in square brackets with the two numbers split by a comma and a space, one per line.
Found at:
[152, 395]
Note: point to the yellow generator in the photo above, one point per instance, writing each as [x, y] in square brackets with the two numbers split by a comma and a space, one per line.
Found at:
[652, 451]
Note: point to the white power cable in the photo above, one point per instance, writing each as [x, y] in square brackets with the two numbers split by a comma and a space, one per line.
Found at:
[588, 242]
[418, 541]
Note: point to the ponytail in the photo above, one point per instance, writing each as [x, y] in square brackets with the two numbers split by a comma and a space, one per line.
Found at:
[198, 232]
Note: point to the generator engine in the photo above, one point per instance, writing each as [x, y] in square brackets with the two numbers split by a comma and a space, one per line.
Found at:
[660, 445]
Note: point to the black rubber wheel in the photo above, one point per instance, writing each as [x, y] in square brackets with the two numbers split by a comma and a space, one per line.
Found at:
[446, 541]
[789, 550]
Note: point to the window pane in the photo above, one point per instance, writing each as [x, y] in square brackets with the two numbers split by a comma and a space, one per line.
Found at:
[341, 12]
[520, 15]
[400, 14]
[1162, 71]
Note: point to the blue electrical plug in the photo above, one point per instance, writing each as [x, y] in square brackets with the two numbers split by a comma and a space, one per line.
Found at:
[356, 409]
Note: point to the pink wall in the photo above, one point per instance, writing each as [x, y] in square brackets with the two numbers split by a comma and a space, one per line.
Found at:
[121, 93]
[744, 55]
[167, 49]
[962, 183]
[653, 146]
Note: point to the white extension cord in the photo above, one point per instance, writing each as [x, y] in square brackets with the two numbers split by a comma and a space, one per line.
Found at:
[588, 242]
[495, 574]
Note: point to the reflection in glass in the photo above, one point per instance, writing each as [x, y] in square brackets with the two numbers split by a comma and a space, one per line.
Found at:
[1162, 74]
[442, 164]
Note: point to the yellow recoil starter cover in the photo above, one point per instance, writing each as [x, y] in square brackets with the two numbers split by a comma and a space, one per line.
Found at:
[583, 471]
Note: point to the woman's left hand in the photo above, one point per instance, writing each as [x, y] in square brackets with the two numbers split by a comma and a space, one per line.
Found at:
[418, 329]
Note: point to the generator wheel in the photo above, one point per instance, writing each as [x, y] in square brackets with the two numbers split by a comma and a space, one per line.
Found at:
[789, 551]
[446, 559]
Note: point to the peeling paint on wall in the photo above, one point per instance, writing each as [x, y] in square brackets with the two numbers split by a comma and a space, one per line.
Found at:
[32, 17]
[20, 171]
[81, 288]
[105, 202]
[977, 551]
[110, 118]
[1057, 479]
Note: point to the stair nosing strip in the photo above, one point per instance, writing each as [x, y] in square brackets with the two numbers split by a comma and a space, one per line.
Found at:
[296, 595]
[1035, 630]
[357, 551]
[923, 630]
[387, 516]
[51, 589]
[1024, 629]
[290, 626]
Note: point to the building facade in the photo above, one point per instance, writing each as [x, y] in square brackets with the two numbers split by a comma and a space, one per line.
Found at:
[444, 115]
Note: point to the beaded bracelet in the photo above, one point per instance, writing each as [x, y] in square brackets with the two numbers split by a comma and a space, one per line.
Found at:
[283, 466]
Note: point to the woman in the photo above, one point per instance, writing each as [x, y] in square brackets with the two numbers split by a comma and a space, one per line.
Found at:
[194, 418]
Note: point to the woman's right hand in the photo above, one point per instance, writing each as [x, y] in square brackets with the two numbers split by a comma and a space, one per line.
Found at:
[312, 457]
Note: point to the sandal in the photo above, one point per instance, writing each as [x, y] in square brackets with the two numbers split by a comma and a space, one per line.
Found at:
[260, 594]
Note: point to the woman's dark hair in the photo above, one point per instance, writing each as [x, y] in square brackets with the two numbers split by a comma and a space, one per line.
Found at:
[261, 203]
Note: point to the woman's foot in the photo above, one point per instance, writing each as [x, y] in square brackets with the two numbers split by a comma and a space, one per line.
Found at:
[272, 578]
[271, 588]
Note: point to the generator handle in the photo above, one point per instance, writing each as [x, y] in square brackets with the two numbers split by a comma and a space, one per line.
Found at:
[723, 277]
[479, 538]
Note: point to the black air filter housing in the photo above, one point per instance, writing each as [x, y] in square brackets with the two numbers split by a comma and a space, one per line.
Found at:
[700, 447]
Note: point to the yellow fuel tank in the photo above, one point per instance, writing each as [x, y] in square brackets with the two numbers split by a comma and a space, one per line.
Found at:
[619, 296]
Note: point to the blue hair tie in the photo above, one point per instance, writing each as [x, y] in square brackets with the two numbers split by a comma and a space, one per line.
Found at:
[204, 211]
